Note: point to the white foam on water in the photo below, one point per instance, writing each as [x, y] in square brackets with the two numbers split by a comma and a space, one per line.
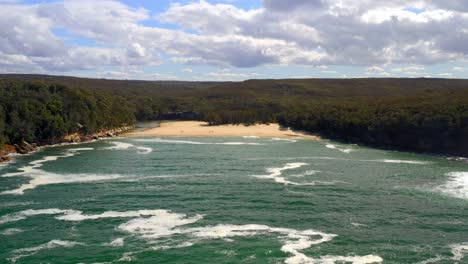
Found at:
[359, 225]
[285, 139]
[125, 146]
[118, 242]
[331, 146]
[77, 216]
[40, 178]
[250, 137]
[24, 252]
[158, 229]
[457, 185]
[459, 251]
[163, 229]
[162, 223]
[417, 162]
[431, 260]
[33, 165]
[173, 141]
[369, 259]
[307, 173]
[16, 204]
[127, 257]
[11, 231]
[275, 174]
[31, 212]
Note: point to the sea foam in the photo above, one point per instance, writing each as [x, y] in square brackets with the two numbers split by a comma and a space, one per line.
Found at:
[25, 252]
[164, 229]
[331, 146]
[40, 177]
[418, 162]
[276, 174]
[158, 229]
[457, 185]
[125, 146]
[285, 139]
[459, 251]
[11, 231]
[188, 142]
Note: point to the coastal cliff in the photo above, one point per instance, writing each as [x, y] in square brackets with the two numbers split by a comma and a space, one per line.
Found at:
[25, 147]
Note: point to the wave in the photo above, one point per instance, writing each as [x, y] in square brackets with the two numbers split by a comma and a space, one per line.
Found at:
[125, 146]
[33, 165]
[307, 173]
[276, 175]
[158, 230]
[403, 161]
[25, 252]
[250, 137]
[118, 242]
[414, 162]
[173, 141]
[40, 178]
[164, 229]
[11, 231]
[77, 216]
[331, 146]
[459, 251]
[457, 185]
[285, 139]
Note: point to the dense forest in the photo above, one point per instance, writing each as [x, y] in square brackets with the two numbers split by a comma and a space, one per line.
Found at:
[424, 115]
[44, 113]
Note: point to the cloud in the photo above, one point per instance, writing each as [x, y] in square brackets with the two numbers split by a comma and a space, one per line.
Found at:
[368, 33]
[446, 74]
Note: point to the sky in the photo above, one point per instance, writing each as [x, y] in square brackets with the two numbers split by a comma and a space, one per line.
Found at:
[234, 40]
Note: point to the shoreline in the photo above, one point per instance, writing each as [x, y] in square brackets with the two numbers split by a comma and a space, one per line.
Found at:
[202, 129]
[8, 151]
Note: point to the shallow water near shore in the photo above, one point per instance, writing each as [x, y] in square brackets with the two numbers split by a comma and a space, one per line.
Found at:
[232, 200]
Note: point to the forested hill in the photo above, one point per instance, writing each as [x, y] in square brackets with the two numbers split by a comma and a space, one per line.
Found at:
[426, 115]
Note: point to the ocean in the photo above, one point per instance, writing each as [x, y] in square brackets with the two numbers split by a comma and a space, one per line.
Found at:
[232, 200]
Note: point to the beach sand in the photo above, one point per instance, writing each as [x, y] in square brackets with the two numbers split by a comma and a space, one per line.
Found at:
[202, 129]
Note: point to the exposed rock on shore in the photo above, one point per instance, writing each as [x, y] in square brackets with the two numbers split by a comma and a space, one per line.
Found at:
[25, 147]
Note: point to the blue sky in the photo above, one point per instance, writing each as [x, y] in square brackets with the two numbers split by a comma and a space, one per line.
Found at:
[234, 39]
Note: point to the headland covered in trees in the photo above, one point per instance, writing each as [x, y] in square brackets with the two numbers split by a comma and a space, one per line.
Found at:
[422, 115]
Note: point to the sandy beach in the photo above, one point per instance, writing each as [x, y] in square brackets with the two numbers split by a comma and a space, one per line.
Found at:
[201, 129]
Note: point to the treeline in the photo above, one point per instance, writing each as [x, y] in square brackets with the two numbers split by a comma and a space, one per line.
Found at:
[426, 115]
[423, 124]
[43, 113]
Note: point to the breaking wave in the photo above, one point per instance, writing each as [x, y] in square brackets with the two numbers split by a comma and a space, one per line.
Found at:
[285, 139]
[457, 185]
[331, 146]
[276, 174]
[126, 146]
[157, 229]
[11, 231]
[163, 229]
[173, 141]
[25, 252]
[418, 162]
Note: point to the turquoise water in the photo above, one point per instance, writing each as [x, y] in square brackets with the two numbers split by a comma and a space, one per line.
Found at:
[232, 200]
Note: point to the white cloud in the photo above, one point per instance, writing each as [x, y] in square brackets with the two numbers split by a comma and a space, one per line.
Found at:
[368, 33]
[458, 69]
[446, 74]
